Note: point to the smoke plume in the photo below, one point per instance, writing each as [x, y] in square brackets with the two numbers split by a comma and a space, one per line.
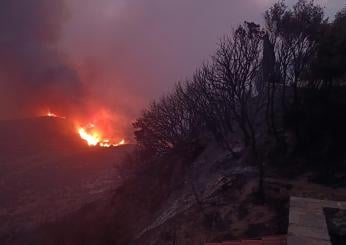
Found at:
[112, 55]
[33, 72]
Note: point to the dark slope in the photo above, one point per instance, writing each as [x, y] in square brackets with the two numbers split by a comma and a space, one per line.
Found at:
[37, 134]
[47, 171]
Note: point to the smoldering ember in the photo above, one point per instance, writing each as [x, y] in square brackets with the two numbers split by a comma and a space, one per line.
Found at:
[185, 122]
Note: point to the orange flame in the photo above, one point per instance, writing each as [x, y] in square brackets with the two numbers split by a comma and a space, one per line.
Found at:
[91, 134]
[91, 139]
[51, 114]
[94, 138]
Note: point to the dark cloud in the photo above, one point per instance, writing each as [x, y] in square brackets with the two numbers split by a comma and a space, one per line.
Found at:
[33, 71]
[131, 51]
[117, 54]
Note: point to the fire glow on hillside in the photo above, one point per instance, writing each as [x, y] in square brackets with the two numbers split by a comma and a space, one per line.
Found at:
[51, 114]
[92, 135]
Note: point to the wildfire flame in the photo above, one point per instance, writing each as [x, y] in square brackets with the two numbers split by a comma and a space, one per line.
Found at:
[51, 114]
[91, 139]
[91, 134]
[94, 138]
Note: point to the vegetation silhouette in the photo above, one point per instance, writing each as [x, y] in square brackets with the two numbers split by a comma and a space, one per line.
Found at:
[261, 85]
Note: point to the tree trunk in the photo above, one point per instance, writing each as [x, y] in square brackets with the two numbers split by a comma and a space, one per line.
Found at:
[258, 161]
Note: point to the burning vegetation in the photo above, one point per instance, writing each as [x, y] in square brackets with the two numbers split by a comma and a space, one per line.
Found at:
[93, 135]
[51, 114]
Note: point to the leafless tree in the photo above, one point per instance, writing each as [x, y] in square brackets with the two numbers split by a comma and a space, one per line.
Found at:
[295, 34]
[165, 124]
[211, 107]
[237, 67]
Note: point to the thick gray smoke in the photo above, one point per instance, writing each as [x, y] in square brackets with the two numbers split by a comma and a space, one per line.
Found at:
[119, 54]
[131, 51]
[33, 72]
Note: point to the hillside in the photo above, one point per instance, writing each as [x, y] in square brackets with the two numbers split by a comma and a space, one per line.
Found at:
[187, 198]
[235, 152]
[38, 134]
[47, 171]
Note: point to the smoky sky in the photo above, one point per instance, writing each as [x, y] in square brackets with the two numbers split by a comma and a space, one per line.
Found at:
[113, 54]
[33, 72]
[132, 51]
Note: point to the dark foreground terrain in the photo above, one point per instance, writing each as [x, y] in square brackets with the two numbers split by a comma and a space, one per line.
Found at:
[187, 198]
[55, 190]
[47, 171]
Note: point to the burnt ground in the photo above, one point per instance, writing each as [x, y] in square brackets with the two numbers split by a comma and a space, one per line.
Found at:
[74, 195]
[336, 221]
[208, 198]
[46, 172]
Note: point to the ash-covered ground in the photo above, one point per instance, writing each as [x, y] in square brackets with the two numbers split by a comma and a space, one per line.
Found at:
[47, 171]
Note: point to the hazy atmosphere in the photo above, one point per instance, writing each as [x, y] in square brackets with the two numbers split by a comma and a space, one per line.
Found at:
[172, 122]
[73, 56]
